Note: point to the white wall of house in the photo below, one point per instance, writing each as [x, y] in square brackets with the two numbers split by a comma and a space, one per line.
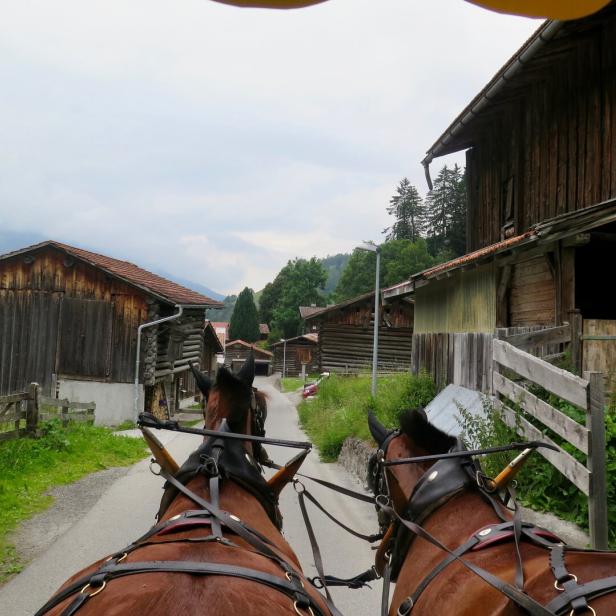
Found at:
[114, 401]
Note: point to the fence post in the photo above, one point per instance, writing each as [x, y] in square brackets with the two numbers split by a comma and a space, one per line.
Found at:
[32, 409]
[597, 501]
[64, 413]
[576, 324]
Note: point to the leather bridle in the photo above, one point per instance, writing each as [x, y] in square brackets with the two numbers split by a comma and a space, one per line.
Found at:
[404, 527]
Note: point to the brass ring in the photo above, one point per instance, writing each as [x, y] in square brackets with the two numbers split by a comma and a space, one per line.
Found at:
[571, 577]
[592, 611]
[83, 590]
[298, 612]
[289, 577]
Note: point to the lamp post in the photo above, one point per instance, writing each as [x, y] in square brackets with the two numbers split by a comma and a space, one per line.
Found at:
[371, 247]
[284, 356]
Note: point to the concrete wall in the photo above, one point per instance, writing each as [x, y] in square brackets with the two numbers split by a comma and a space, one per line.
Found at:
[114, 401]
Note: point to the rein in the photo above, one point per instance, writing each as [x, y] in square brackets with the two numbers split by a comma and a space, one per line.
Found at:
[574, 597]
[148, 420]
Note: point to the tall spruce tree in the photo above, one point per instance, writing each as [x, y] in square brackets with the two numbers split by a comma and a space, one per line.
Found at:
[408, 209]
[244, 324]
[446, 213]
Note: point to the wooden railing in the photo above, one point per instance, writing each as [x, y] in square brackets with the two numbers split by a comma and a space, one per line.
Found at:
[36, 409]
[585, 393]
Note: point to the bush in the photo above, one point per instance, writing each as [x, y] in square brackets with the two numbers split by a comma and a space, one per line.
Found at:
[541, 486]
[341, 408]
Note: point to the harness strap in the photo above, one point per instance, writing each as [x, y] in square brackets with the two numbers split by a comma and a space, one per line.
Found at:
[511, 592]
[113, 570]
[589, 590]
[358, 581]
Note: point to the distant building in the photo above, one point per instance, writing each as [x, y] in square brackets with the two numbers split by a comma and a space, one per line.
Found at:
[237, 351]
[290, 354]
[69, 319]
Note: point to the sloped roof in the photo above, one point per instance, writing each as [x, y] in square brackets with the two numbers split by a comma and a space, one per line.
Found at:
[349, 302]
[209, 331]
[130, 273]
[314, 338]
[306, 311]
[254, 347]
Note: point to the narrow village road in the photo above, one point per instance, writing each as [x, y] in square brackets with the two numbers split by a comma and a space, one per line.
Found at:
[126, 510]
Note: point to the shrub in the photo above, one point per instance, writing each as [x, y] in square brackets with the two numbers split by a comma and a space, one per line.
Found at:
[341, 408]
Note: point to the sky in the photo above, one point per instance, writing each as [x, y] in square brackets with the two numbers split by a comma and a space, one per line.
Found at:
[216, 143]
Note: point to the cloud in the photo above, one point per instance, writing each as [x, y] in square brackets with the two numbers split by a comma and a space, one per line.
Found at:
[218, 143]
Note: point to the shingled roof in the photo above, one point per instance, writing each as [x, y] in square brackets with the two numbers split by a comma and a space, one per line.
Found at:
[130, 273]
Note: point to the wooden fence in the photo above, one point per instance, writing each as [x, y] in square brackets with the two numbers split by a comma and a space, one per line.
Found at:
[585, 393]
[25, 410]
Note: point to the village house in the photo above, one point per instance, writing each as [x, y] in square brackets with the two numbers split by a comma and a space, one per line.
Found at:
[541, 224]
[345, 335]
[292, 354]
[69, 320]
[237, 351]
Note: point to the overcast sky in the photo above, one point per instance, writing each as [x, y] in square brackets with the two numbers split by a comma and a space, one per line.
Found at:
[216, 143]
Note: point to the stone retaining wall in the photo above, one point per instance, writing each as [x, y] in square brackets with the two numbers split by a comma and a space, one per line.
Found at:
[354, 457]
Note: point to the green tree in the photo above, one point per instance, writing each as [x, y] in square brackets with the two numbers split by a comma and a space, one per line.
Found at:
[302, 280]
[271, 295]
[408, 209]
[244, 324]
[400, 259]
[446, 213]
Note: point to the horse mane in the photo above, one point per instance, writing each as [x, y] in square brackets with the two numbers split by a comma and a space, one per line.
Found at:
[414, 423]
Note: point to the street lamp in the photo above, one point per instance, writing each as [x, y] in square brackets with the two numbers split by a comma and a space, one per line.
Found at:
[372, 247]
[284, 357]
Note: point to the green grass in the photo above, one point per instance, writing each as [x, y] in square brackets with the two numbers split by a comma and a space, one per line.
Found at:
[341, 408]
[29, 467]
[290, 383]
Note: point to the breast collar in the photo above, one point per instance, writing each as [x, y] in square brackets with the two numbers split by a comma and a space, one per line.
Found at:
[439, 484]
[230, 461]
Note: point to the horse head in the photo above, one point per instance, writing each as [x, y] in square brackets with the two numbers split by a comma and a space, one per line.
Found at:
[416, 437]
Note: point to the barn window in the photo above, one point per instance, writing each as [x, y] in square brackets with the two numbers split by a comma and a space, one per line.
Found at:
[85, 338]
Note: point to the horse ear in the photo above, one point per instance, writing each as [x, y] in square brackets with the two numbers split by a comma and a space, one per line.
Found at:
[247, 372]
[203, 381]
[285, 475]
[377, 429]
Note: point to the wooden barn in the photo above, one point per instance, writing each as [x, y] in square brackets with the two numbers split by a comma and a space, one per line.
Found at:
[346, 331]
[237, 351]
[69, 320]
[292, 353]
[541, 222]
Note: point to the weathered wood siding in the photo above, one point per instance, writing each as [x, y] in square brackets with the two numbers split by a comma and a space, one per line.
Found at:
[462, 359]
[348, 349]
[59, 315]
[466, 302]
[600, 355]
[532, 299]
[548, 149]
[295, 351]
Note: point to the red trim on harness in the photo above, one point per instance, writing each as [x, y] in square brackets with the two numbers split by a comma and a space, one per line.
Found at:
[185, 524]
[495, 538]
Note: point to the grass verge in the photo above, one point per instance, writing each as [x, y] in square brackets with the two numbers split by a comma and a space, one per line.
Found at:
[341, 408]
[29, 467]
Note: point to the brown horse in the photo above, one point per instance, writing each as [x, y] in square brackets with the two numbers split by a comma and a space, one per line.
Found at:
[217, 548]
[445, 499]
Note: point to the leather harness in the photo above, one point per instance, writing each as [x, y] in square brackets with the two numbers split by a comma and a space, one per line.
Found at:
[216, 460]
[441, 482]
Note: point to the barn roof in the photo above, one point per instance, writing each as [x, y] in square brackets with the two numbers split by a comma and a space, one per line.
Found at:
[307, 311]
[552, 42]
[559, 227]
[254, 347]
[312, 338]
[129, 272]
[345, 304]
[210, 332]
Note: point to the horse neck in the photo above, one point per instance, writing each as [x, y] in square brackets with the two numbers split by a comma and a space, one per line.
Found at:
[238, 501]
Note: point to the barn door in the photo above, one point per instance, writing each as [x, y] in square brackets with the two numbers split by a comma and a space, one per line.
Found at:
[28, 339]
[599, 350]
[85, 338]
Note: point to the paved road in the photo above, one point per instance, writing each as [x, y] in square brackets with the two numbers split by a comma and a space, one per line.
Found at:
[126, 509]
